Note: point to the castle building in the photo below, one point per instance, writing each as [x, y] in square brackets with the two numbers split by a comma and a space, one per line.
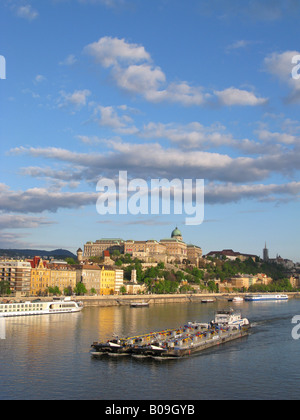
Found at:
[166, 250]
[96, 249]
[176, 249]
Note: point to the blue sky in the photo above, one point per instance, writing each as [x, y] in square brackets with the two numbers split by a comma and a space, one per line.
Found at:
[160, 89]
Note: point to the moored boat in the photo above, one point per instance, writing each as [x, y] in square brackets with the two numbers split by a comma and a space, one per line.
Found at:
[236, 299]
[265, 297]
[139, 304]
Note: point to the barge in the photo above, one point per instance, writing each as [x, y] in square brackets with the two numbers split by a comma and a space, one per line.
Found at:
[179, 342]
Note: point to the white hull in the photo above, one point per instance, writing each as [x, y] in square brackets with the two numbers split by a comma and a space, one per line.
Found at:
[266, 297]
[38, 308]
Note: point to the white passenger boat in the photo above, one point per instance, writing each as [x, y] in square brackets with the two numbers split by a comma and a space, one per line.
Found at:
[39, 308]
[265, 297]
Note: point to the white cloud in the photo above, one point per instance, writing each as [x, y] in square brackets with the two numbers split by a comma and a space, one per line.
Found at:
[68, 61]
[37, 200]
[78, 98]
[112, 51]
[133, 70]
[26, 12]
[39, 78]
[9, 221]
[233, 96]
[227, 193]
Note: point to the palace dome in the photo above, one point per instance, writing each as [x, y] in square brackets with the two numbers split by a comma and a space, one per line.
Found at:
[176, 232]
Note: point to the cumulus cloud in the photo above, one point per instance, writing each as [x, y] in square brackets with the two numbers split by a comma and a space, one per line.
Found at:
[133, 70]
[113, 51]
[12, 221]
[234, 96]
[227, 193]
[169, 162]
[77, 99]
[26, 12]
[69, 60]
[37, 200]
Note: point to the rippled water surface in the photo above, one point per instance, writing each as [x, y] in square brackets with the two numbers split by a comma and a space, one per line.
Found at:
[47, 357]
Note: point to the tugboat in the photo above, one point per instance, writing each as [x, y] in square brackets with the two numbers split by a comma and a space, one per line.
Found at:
[173, 343]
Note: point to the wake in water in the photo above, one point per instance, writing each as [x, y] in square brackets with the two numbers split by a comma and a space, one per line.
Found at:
[271, 320]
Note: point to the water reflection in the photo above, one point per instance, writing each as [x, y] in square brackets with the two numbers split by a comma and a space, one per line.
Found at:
[47, 357]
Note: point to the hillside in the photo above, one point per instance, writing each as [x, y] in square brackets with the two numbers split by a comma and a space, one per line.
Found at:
[30, 253]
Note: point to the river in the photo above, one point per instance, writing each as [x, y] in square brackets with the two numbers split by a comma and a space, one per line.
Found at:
[47, 357]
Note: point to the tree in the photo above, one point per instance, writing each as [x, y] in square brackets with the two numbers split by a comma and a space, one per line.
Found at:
[54, 290]
[70, 260]
[122, 290]
[212, 287]
[80, 289]
[4, 288]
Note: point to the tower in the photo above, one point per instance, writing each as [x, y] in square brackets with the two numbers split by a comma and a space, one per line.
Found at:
[265, 253]
[79, 254]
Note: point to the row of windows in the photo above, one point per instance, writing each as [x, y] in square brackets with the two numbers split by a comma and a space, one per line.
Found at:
[22, 307]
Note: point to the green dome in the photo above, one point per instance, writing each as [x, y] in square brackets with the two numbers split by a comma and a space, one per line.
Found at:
[176, 232]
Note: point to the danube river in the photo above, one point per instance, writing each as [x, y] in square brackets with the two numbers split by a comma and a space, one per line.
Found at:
[47, 357]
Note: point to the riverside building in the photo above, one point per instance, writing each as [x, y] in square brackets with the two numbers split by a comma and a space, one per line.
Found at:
[17, 275]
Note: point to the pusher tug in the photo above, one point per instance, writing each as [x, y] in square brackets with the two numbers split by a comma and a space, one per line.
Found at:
[173, 343]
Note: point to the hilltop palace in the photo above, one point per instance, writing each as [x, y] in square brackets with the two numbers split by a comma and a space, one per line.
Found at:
[168, 250]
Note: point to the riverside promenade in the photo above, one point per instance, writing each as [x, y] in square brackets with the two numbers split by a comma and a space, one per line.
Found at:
[127, 300]
[123, 300]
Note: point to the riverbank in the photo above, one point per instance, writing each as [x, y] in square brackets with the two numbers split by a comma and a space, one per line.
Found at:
[126, 300]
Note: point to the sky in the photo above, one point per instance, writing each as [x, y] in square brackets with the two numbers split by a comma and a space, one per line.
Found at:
[159, 89]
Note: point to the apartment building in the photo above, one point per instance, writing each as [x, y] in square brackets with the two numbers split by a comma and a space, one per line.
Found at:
[17, 274]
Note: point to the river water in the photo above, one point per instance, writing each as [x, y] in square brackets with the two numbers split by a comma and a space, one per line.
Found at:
[47, 357]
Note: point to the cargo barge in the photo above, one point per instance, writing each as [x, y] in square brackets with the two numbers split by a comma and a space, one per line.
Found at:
[179, 342]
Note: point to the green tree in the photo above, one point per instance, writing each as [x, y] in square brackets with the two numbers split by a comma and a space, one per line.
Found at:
[54, 290]
[80, 289]
[122, 290]
[4, 288]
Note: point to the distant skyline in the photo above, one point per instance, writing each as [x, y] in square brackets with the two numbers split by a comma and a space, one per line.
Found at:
[161, 89]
